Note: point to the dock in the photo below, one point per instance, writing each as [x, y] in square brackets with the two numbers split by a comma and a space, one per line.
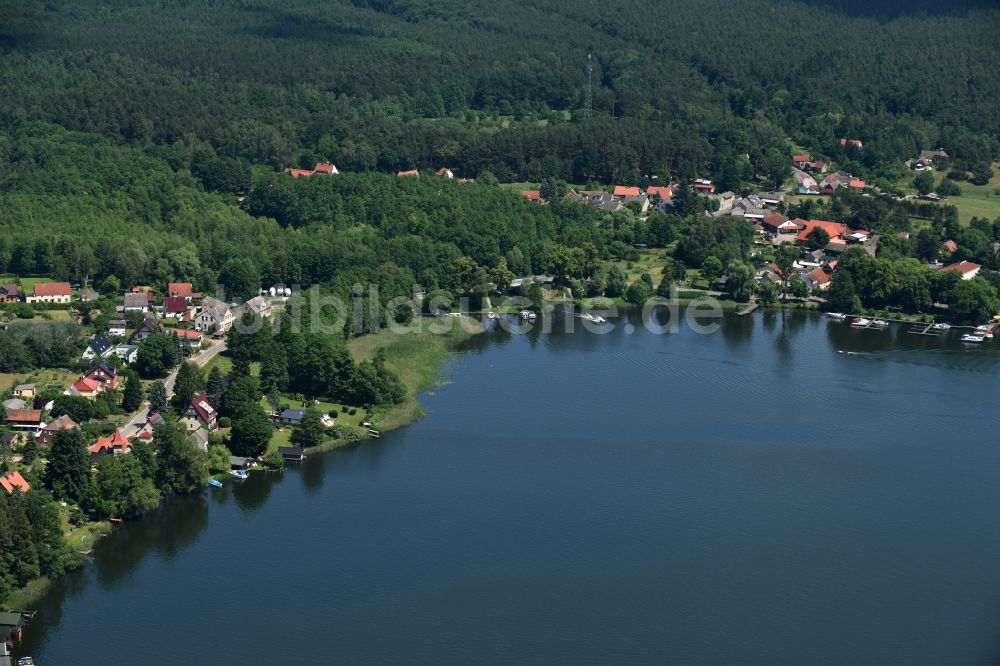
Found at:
[925, 329]
[744, 310]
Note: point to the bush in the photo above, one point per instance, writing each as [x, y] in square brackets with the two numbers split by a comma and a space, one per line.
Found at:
[274, 460]
[353, 411]
[225, 422]
[349, 433]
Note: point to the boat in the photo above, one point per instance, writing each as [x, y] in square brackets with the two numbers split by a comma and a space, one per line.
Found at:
[25, 661]
[836, 316]
[240, 474]
[598, 319]
[941, 327]
[847, 353]
[973, 338]
[985, 331]
[491, 315]
[880, 324]
[215, 483]
[860, 322]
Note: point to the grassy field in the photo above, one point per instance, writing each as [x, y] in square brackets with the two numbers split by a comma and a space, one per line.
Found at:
[9, 380]
[417, 359]
[975, 200]
[650, 261]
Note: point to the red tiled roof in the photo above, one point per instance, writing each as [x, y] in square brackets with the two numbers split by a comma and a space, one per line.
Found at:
[411, 172]
[141, 289]
[181, 289]
[52, 289]
[626, 191]
[857, 183]
[802, 157]
[819, 275]
[13, 480]
[664, 193]
[86, 385]
[324, 167]
[962, 267]
[533, 195]
[175, 304]
[64, 422]
[834, 229]
[443, 171]
[950, 245]
[184, 333]
[109, 444]
[297, 173]
[203, 408]
[24, 415]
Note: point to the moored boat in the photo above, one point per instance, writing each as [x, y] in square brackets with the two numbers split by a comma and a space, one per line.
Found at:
[973, 338]
[215, 483]
[240, 474]
[860, 322]
[836, 316]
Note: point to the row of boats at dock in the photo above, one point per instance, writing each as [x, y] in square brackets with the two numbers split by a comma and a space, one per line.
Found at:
[979, 335]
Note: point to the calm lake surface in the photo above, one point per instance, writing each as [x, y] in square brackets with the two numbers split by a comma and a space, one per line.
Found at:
[745, 497]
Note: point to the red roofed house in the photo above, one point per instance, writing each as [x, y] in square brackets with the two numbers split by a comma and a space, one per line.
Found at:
[818, 279]
[411, 172]
[104, 374]
[819, 166]
[12, 481]
[968, 269]
[857, 184]
[24, 419]
[852, 142]
[50, 292]
[64, 422]
[802, 160]
[703, 185]
[183, 289]
[298, 173]
[192, 337]
[176, 307]
[325, 169]
[86, 388]
[949, 245]
[836, 230]
[200, 413]
[445, 172]
[531, 195]
[113, 445]
[626, 191]
[663, 193]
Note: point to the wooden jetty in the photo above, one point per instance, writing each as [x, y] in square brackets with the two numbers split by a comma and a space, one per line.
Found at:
[743, 311]
[925, 329]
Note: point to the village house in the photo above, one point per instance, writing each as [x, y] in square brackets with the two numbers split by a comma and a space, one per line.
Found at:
[10, 293]
[966, 269]
[116, 328]
[836, 231]
[802, 160]
[321, 169]
[115, 444]
[26, 391]
[137, 301]
[104, 374]
[626, 191]
[64, 422]
[949, 246]
[215, 316]
[25, 419]
[292, 453]
[771, 198]
[148, 327]
[182, 289]
[531, 195]
[257, 306]
[817, 279]
[85, 388]
[640, 199]
[288, 417]
[153, 421]
[412, 172]
[930, 156]
[127, 353]
[777, 224]
[726, 201]
[444, 172]
[99, 347]
[854, 143]
[659, 194]
[193, 338]
[702, 185]
[200, 413]
[50, 292]
[177, 307]
[13, 481]
[87, 295]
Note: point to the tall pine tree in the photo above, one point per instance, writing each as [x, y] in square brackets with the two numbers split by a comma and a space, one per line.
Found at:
[68, 469]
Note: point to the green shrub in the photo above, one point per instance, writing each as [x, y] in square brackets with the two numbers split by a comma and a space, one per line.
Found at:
[225, 422]
[349, 433]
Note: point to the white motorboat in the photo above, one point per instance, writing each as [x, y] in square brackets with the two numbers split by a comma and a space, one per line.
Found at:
[860, 322]
[973, 338]
[836, 316]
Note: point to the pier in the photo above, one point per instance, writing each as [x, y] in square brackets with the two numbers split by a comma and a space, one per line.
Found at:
[749, 308]
[926, 329]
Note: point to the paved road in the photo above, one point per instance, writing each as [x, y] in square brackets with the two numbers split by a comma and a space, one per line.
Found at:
[201, 359]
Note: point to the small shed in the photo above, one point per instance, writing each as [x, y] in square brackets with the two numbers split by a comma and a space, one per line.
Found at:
[296, 453]
[239, 462]
[291, 417]
[11, 626]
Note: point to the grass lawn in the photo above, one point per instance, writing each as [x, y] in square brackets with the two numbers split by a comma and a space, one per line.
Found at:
[650, 261]
[223, 361]
[28, 283]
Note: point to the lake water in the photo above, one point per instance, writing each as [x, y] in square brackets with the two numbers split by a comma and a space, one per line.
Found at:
[746, 497]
